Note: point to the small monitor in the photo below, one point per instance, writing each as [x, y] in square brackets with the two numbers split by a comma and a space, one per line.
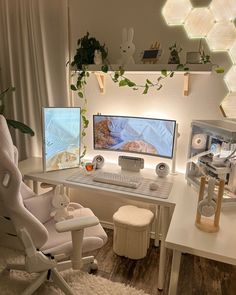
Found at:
[61, 138]
[148, 136]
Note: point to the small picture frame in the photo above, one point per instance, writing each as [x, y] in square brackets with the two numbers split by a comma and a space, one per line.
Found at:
[152, 55]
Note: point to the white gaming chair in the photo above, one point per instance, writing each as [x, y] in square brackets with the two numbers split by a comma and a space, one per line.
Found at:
[25, 224]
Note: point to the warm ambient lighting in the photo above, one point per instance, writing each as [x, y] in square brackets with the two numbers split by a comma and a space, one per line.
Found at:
[230, 79]
[221, 36]
[229, 106]
[223, 9]
[217, 23]
[199, 22]
[176, 11]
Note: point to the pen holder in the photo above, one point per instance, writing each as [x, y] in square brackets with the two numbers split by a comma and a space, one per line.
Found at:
[209, 206]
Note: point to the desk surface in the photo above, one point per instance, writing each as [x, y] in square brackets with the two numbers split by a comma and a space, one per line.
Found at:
[32, 169]
[182, 235]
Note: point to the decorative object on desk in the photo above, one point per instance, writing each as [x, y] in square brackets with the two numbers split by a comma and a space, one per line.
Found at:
[90, 167]
[98, 161]
[127, 47]
[174, 54]
[60, 203]
[97, 57]
[152, 55]
[13, 123]
[162, 170]
[208, 206]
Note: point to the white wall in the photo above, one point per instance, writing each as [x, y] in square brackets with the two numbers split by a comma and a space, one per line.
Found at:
[105, 20]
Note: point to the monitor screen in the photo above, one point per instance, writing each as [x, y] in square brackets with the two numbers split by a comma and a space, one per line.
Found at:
[61, 138]
[136, 135]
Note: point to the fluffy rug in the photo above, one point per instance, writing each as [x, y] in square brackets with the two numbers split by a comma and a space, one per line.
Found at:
[80, 282]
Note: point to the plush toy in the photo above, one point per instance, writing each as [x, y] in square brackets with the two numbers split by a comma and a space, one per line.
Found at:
[60, 202]
[97, 57]
[127, 47]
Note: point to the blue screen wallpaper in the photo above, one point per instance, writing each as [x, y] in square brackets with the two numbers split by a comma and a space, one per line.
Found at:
[137, 135]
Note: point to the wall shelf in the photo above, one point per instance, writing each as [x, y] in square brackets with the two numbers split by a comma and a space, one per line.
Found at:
[152, 69]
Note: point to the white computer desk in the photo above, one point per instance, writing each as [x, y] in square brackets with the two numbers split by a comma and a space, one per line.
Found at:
[179, 234]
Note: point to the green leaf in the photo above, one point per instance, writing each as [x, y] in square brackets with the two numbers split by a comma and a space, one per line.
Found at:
[130, 83]
[145, 91]
[149, 82]
[83, 111]
[171, 74]
[123, 83]
[186, 69]
[164, 73]
[73, 87]
[159, 87]
[219, 70]
[80, 94]
[135, 88]
[104, 68]
[21, 126]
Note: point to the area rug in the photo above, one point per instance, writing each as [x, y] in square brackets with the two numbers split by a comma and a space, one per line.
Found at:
[81, 283]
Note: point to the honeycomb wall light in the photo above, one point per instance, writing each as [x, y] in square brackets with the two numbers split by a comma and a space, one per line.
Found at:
[217, 24]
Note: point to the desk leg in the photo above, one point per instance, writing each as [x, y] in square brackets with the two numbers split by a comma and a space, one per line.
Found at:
[164, 229]
[35, 187]
[157, 226]
[174, 276]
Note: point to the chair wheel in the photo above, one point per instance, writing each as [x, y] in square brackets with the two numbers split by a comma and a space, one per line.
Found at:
[93, 265]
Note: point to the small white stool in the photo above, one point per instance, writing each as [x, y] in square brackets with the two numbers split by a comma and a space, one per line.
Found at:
[132, 231]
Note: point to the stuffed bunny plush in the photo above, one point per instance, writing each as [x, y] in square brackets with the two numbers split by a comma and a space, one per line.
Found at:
[60, 202]
[127, 47]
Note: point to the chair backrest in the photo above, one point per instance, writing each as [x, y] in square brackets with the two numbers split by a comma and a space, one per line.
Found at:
[13, 214]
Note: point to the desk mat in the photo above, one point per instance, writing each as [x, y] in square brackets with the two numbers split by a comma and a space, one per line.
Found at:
[162, 192]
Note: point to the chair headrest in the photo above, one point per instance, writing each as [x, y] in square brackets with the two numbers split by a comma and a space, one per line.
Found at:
[6, 140]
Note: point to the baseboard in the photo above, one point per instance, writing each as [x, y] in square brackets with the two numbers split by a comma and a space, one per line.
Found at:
[110, 225]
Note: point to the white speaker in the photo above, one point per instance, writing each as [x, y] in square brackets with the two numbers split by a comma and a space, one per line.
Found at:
[98, 161]
[162, 169]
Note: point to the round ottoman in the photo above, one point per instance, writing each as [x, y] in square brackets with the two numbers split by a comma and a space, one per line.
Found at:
[132, 231]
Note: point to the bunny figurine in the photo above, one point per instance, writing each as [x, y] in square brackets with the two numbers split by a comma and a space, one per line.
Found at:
[97, 57]
[60, 202]
[127, 47]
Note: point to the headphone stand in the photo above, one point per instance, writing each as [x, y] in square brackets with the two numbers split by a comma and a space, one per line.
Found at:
[208, 224]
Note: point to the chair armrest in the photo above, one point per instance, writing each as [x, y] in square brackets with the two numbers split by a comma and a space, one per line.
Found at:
[76, 223]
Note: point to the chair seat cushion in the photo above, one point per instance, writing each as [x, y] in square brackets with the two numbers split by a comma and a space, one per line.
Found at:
[94, 237]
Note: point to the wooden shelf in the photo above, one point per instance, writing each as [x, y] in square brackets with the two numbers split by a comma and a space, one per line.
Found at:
[154, 69]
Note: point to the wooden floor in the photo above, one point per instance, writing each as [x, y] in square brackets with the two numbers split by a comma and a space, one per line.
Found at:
[198, 276]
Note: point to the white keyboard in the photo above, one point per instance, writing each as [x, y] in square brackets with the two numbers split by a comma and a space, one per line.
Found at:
[118, 179]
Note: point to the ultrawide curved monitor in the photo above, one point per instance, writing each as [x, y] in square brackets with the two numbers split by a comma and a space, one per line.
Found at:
[148, 136]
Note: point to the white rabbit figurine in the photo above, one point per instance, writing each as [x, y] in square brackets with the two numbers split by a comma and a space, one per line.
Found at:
[60, 202]
[127, 47]
[97, 57]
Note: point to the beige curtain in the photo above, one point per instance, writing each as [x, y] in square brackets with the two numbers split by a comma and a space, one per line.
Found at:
[33, 56]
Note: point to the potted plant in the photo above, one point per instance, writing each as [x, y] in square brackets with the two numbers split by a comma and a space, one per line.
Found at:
[13, 123]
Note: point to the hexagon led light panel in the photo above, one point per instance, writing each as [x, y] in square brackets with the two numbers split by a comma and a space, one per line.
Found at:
[176, 11]
[229, 105]
[222, 36]
[223, 9]
[218, 25]
[232, 52]
[230, 79]
[199, 22]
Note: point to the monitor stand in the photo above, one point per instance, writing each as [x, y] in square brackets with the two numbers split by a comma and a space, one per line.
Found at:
[173, 162]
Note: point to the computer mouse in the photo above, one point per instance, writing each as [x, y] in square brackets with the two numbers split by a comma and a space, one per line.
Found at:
[153, 186]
